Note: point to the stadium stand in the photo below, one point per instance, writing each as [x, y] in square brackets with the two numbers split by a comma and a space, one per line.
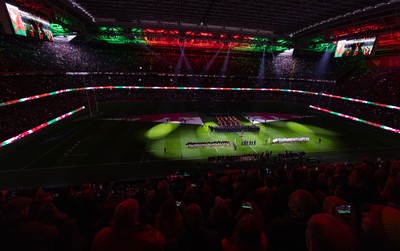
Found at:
[233, 200]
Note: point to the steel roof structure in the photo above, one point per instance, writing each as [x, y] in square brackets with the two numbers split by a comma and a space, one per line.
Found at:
[283, 17]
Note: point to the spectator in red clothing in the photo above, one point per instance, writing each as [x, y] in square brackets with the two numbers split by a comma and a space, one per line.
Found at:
[325, 232]
[18, 231]
[381, 228]
[126, 233]
[69, 237]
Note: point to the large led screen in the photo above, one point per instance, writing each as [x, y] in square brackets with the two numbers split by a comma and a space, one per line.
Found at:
[355, 47]
[26, 24]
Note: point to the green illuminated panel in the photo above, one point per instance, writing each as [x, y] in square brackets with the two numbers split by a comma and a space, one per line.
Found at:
[260, 48]
[112, 30]
[317, 39]
[322, 47]
[136, 30]
[59, 30]
[284, 42]
[260, 39]
[121, 40]
[61, 18]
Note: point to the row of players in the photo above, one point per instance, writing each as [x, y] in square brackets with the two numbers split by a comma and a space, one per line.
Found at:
[208, 143]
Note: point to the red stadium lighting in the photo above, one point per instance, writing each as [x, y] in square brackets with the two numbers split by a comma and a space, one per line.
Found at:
[205, 34]
[154, 31]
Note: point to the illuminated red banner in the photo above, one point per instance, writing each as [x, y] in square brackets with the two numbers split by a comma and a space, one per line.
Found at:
[384, 62]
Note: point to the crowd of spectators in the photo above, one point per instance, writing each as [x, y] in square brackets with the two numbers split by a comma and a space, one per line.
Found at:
[16, 119]
[25, 85]
[22, 54]
[378, 85]
[33, 67]
[238, 158]
[372, 113]
[289, 155]
[14, 115]
[284, 207]
[288, 207]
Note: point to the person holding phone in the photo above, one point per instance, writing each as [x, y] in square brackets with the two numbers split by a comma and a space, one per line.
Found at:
[169, 220]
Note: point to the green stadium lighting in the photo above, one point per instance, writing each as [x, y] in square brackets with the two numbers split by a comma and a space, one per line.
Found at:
[161, 130]
[301, 129]
[320, 47]
[120, 40]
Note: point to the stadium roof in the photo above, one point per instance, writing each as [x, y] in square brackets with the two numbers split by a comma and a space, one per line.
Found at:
[282, 23]
[263, 17]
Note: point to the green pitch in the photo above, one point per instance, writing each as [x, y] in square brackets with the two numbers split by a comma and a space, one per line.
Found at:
[94, 149]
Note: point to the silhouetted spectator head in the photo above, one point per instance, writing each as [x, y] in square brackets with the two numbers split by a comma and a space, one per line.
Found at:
[189, 196]
[302, 204]
[45, 198]
[163, 187]
[125, 232]
[207, 189]
[380, 177]
[126, 214]
[40, 200]
[192, 218]
[340, 170]
[224, 180]
[34, 192]
[361, 177]
[221, 217]
[169, 210]
[394, 168]
[334, 182]
[297, 174]
[17, 208]
[384, 222]
[86, 186]
[48, 213]
[269, 181]
[248, 234]
[3, 195]
[221, 209]
[327, 233]
[86, 195]
[169, 221]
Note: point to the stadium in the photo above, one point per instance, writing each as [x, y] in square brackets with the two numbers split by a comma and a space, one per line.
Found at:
[227, 108]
